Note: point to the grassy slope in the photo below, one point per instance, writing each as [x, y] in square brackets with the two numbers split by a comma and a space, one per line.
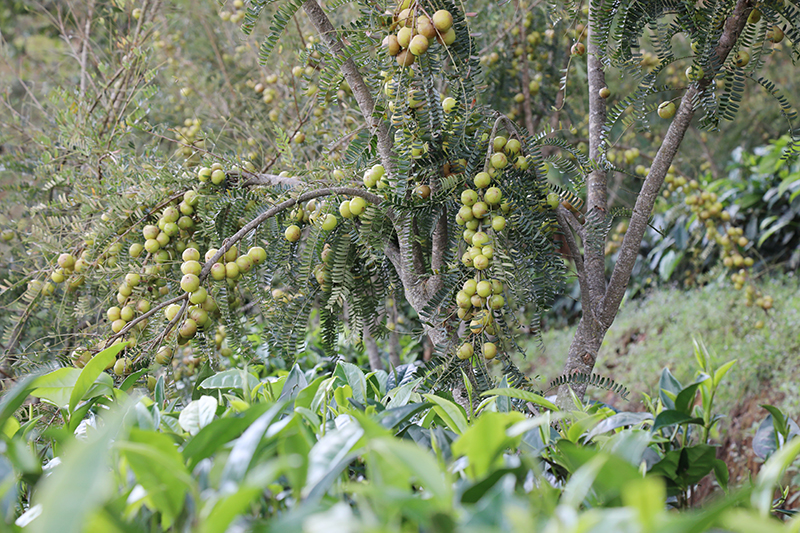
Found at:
[655, 332]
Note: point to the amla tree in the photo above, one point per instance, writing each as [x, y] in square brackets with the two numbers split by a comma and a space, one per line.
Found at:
[438, 195]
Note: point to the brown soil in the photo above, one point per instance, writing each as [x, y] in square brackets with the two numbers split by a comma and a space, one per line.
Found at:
[736, 448]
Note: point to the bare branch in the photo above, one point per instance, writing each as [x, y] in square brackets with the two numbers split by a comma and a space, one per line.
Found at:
[526, 79]
[439, 244]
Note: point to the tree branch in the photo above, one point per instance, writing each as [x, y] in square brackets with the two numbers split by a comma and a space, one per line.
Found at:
[597, 182]
[629, 250]
[526, 79]
[269, 213]
[353, 77]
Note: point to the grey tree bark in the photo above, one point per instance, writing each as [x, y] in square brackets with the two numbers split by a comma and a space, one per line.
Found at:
[601, 305]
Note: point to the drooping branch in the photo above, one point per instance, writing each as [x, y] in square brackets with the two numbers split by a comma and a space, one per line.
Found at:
[271, 212]
[238, 236]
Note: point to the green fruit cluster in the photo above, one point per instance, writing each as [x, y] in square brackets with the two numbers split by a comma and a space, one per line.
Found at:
[416, 31]
[313, 212]
[482, 216]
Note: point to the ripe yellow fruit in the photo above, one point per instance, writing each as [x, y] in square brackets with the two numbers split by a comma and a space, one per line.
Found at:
[447, 38]
[392, 45]
[330, 222]
[443, 20]
[292, 233]
[489, 350]
[405, 58]
[418, 45]
[465, 351]
[666, 110]
[357, 206]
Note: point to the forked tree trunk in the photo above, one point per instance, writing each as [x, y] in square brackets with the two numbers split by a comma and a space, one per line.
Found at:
[601, 300]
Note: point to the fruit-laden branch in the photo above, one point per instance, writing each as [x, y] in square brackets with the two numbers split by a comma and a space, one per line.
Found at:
[264, 180]
[238, 236]
[417, 292]
[271, 212]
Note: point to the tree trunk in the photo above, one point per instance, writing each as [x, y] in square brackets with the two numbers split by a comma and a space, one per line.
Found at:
[601, 301]
[581, 358]
[371, 347]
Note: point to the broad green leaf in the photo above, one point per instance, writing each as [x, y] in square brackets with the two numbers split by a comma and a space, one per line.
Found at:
[306, 395]
[671, 417]
[480, 488]
[56, 387]
[719, 374]
[771, 473]
[159, 394]
[765, 441]
[295, 382]
[10, 427]
[309, 415]
[582, 425]
[646, 495]
[580, 483]
[721, 473]
[84, 464]
[669, 261]
[617, 421]
[159, 468]
[392, 418]
[132, 379]
[198, 414]
[246, 446]
[205, 372]
[421, 464]
[15, 397]
[25, 460]
[452, 414]
[92, 371]
[218, 433]
[544, 419]
[629, 444]
[749, 521]
[218, 517]
[614, 474]
[230, 379]
[684, 467]
[536, 399]
[485, 442]
[353, 376]
[401, 395]
[330, 450]
[668, 387]
[778, 418]
[685, 399]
